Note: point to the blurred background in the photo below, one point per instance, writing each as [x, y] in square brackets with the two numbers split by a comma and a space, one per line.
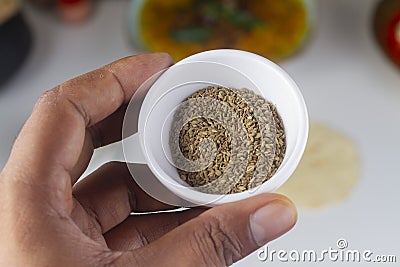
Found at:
[343, 54]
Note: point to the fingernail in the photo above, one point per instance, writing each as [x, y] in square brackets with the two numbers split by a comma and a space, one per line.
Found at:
[272, 220]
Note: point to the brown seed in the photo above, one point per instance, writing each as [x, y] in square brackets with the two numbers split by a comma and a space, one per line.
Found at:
[255, 113]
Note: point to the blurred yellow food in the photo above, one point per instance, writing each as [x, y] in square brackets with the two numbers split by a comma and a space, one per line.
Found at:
[328, 171]
[272, 28]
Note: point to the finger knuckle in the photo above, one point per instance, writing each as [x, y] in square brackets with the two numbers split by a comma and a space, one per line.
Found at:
[50, 97]
[54, 98]
[216, 243]
[61, 99]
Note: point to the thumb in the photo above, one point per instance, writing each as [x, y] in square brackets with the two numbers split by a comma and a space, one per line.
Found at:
[224, 234]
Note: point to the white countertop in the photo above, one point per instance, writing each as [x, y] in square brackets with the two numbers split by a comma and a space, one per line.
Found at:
[346, 82]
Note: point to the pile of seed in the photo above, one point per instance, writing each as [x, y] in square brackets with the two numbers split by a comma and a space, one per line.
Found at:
[252, 111]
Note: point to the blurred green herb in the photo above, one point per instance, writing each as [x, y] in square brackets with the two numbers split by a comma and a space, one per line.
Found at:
[191, 34]
[212, 11]
[238, 17]
[244, 20]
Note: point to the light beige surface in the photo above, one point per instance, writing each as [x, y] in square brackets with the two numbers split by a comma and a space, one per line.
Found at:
[328, 171]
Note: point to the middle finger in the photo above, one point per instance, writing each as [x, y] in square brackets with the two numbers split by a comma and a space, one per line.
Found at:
[110, 194]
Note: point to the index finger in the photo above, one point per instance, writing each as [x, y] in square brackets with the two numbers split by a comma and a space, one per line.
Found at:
[51, 141]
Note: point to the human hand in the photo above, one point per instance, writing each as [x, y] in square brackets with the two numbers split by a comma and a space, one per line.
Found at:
[48, 219]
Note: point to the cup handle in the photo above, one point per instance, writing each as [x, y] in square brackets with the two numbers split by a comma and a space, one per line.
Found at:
[128, 150]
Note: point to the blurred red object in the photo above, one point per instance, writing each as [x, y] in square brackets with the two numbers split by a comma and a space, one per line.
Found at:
[74, 11]
[387, 28]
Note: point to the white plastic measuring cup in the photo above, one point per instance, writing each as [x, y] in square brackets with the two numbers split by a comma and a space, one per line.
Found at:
[228, 68]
